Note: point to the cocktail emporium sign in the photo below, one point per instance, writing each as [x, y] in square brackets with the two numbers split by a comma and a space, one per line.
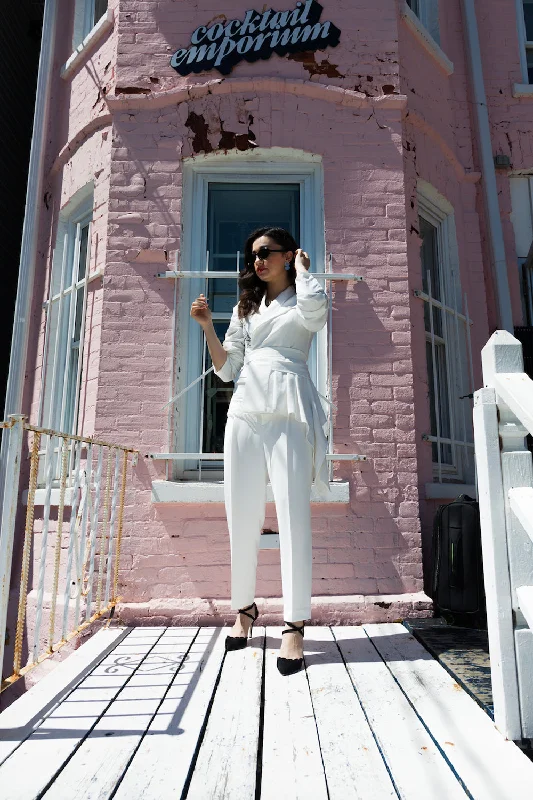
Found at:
[221, 45]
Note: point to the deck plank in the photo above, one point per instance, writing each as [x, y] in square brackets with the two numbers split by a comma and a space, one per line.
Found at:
[491, 767]
[417, 765]
[292, 766]
[28, 771]
[97, 766]
[227, 758]
[21, 718]
[354, 767]
[160, 766]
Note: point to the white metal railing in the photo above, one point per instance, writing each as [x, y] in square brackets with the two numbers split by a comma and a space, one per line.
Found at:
[207, 275]
[503, 416]
[76, 563]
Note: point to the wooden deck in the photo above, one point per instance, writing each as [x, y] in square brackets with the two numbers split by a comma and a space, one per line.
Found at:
[161, 713]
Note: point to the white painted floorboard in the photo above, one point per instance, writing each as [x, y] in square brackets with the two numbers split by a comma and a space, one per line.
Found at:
[292, 764]
[161, 764]
[226, 765]
[490, 767]
[354, 767]
[25, 715]
[168, 714]
[419, 769]
[96, 767]
[35, 763]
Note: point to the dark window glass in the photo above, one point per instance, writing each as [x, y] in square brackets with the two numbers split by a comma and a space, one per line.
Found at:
[528, 19]
[100, 7]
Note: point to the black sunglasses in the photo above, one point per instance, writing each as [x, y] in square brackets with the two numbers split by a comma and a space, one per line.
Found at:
[264, 252]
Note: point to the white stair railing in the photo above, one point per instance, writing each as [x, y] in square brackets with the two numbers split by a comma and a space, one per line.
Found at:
[503, 416]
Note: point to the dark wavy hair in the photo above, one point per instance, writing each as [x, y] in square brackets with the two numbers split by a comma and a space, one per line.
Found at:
[252, 288]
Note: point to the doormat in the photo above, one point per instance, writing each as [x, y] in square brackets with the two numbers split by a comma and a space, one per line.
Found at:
[463, 652]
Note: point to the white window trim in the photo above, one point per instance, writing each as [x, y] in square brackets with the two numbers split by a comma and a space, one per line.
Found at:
[165, 492]
[102, 27]
[56, 356]
[439, 212]
[262, 165]
[417, 27]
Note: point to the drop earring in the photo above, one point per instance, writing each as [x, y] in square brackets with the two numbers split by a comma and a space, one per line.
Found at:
[287, 265]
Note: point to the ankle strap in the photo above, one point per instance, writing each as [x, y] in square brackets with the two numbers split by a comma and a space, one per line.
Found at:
[242, 611]
[297, 628]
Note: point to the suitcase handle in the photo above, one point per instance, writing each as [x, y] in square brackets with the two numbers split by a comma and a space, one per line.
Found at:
[455, 567]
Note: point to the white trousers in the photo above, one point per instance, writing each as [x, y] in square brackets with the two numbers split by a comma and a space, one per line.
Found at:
[257, 448]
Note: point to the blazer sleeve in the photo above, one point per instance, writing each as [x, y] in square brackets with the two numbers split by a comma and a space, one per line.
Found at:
[311, 301]
[233, 344]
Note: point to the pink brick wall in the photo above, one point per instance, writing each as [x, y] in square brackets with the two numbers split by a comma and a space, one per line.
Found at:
[393, 118]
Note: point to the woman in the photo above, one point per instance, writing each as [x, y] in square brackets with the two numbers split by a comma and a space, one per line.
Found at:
[275, 426]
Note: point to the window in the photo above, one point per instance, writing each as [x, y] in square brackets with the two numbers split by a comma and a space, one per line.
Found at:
[65, 322]
[225, 199]
[427, 12]
[86, 14]
[446, 344]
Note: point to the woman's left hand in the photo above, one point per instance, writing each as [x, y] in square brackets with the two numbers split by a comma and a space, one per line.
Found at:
[302, 260]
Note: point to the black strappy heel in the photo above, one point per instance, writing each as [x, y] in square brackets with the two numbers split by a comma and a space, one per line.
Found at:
[288, 666]
[238, 642]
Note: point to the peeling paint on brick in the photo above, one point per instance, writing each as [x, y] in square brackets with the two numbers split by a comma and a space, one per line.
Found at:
[309, 63]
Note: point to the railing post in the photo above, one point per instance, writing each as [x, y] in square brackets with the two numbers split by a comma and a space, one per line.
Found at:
[503, 355]
[496, 565]
[9, 511]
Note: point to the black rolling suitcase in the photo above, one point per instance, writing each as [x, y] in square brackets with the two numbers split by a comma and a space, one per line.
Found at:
[458, 591]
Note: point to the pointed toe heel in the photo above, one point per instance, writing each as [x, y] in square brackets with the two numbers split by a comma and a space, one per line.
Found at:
[240, 642]
[289, 666]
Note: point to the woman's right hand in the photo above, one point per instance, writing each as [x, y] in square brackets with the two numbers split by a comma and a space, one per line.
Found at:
[200, 311]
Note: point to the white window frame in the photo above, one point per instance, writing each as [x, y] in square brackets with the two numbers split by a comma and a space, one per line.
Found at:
[272, 165]
[56, 389]
[436, 210]
[524, 44]
[84, 21]
[427, 12]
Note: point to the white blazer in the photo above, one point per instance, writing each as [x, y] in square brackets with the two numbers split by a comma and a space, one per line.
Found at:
[267, 359]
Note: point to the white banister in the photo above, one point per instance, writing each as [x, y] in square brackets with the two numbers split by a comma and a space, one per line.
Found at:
[503, 415]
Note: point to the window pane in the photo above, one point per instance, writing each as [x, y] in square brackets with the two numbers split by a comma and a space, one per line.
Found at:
[528, 19]
[430, 263]
[234, 210]
[443, 401]
[414, 5]
[84, 251]
[69, 423]
[100, 7]
[529, 54]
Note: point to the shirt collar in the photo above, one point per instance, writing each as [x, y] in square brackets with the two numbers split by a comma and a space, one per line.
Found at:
[282, 296]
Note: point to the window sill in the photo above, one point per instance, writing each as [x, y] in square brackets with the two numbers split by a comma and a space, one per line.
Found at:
[523, 90]
[40, 495]
[213, 492]
[426, 40]
[104, 24]
[448, 491]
